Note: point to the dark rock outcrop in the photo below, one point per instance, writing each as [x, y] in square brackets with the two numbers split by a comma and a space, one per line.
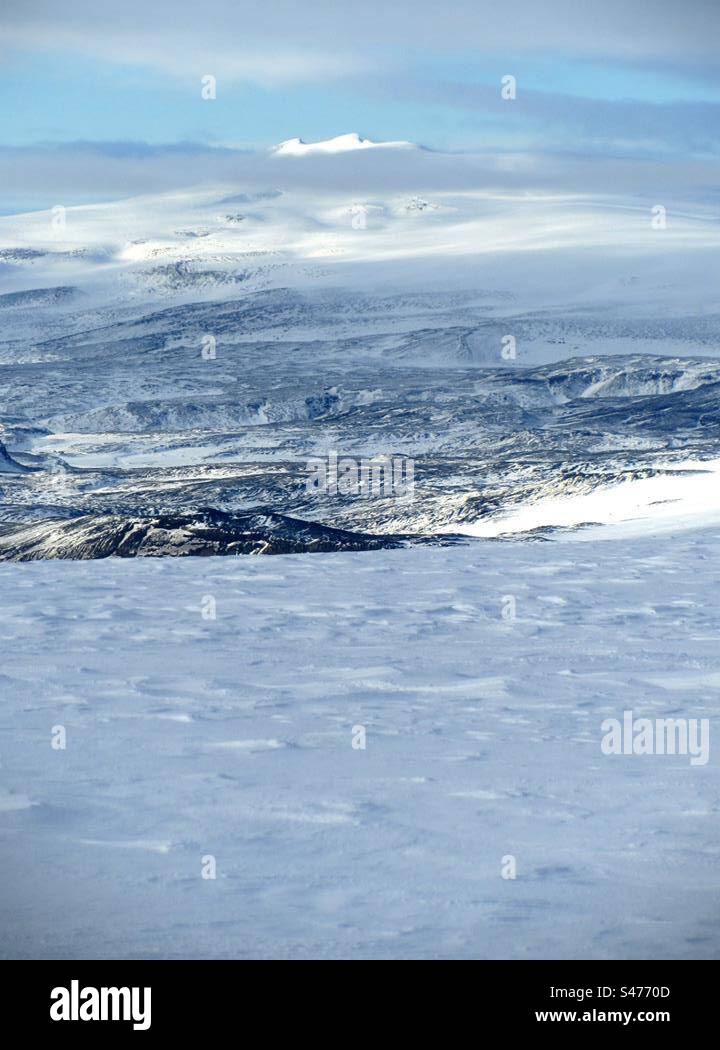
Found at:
[204, 533]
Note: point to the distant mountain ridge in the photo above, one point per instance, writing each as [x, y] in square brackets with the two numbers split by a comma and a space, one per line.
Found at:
[298, 147]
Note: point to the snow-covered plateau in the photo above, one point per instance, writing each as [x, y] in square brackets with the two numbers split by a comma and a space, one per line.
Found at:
[385, 740]
[189, 738]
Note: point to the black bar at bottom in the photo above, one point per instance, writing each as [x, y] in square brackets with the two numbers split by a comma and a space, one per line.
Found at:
[202, 998]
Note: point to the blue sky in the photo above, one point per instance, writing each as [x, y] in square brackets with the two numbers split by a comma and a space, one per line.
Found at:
[425, 71]
[595, 78]
[443, 101]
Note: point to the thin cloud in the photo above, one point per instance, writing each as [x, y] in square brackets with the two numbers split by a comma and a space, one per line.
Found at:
[39, 177]
[284, 39]
[178, 55]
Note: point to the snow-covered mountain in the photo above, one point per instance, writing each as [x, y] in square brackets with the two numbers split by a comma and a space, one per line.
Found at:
[297, 147]
[537, 357]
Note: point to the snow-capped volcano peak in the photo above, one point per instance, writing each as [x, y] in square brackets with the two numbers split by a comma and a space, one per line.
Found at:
[340, 144]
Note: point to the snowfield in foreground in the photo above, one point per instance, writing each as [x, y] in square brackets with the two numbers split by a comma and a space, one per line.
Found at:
[189, 737]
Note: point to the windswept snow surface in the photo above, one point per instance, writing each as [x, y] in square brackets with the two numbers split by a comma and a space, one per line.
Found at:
[685, 494]
[189, 738]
